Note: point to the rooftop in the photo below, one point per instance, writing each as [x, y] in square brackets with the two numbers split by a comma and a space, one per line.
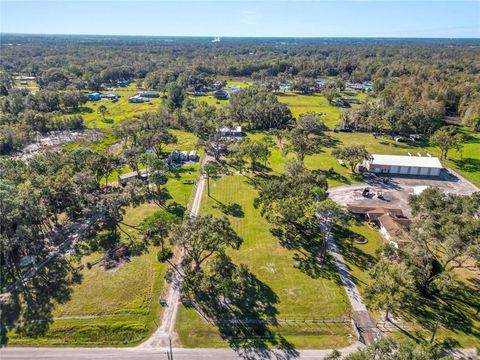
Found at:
[399, 160]
[393, 225]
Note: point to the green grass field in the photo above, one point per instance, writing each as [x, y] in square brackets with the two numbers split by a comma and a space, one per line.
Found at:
[194, 331]
[300, 296]
[117, 111]
[300, 104]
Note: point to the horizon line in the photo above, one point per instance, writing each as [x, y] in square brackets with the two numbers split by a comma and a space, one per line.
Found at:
[248, 37]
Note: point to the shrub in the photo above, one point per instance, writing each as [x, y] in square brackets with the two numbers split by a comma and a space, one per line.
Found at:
[164, 254]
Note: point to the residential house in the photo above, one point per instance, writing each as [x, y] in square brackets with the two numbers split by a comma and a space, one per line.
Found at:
[390, 220]
[137, 99]
[227, 132]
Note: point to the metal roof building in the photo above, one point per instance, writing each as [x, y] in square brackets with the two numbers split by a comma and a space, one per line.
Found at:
[404, 165]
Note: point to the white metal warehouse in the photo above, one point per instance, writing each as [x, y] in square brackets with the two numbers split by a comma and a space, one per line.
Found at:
[404, 165]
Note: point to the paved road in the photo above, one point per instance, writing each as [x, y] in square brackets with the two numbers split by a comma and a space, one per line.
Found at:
[350, 287]
[160, 354]
[364, 324]
[165, 333]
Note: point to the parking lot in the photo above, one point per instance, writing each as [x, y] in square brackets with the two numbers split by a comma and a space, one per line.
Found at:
[396, 190]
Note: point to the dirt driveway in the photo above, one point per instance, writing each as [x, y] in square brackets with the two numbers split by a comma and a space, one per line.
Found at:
[397, 190]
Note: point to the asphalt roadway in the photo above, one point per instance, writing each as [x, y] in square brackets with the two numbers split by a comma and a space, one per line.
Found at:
[161, 353]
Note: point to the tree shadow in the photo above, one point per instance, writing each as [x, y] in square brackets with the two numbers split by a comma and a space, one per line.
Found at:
[176, 209]
[335, 176]
[330, 142]
[307, 244]
[242, 308]
[468, 164]
[350, 252]
[29, 306]
[455, 311]
[233, 209]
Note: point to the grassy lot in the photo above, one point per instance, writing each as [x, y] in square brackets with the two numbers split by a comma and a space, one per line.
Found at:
[194, 331]
[118, 307]
[210, 100]
[117, 111]
[299, 295]
[300, 104]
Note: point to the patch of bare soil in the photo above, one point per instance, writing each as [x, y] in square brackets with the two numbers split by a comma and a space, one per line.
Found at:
[115, 257]
[56, 139]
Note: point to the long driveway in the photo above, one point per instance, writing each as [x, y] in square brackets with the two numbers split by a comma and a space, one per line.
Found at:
[347, 281]
[165, 333]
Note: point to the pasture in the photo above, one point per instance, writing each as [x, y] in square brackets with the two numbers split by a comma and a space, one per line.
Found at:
[298, 295]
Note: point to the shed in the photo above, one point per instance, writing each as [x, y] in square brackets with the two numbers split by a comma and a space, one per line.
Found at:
[149, 94]
[231, 132]
[124, 179]
[221, 95]
[93, 96]
[404, 165]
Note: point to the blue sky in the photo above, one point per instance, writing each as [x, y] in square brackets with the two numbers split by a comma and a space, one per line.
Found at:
[278, 18]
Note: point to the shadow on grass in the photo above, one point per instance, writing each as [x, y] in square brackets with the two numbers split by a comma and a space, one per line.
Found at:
[34, 301]
[450, 312]
[467, 164]
[234, 209]
[242, 308]
[350, 252]
[335, 176]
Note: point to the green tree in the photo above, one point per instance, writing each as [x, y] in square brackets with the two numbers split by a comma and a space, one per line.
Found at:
[157, 172]
[255, 150]
[389, 349]
[203, 237]
[102, 110]
[390, 286]
[259, 108]
[444, 234]
[175, 95]
[447, 138]
[211, 170]
[6, 83]
[353, 155]
[307, 135]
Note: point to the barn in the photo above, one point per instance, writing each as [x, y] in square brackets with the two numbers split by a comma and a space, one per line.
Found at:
[404, 165]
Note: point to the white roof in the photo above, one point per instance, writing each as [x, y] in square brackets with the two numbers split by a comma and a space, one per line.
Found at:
[227, 129]
[398, 160]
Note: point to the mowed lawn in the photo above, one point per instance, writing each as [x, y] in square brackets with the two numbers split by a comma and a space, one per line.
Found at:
[300, 104]
[119, 307]
[299, 295]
